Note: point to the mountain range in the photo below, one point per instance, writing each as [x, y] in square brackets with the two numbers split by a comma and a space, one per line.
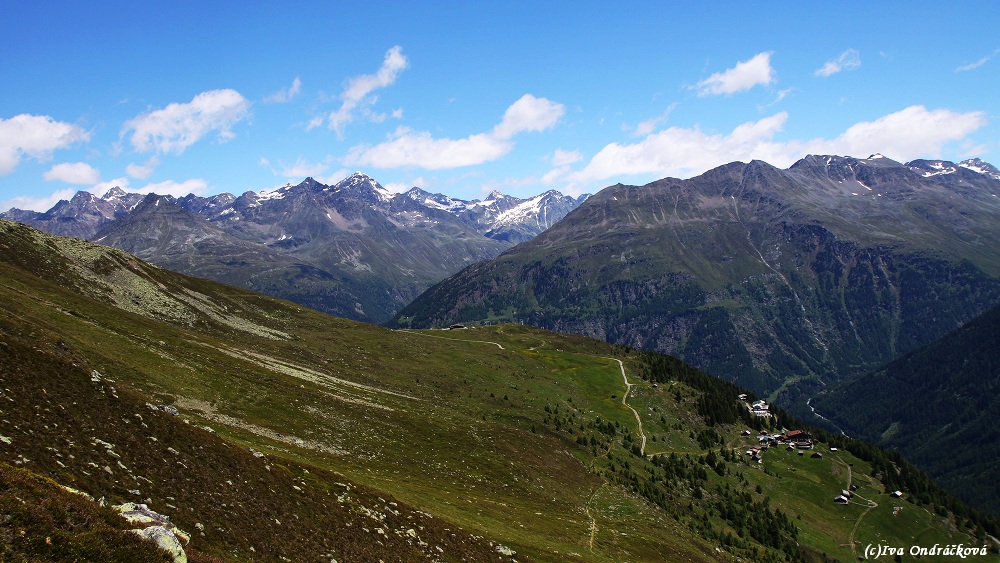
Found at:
[268, 431]
[781, 280]
[352, 249]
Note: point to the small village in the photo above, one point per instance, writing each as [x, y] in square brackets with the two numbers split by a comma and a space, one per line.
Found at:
[792, 440]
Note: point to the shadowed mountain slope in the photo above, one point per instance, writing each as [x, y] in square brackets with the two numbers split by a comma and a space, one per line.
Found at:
[938, 405]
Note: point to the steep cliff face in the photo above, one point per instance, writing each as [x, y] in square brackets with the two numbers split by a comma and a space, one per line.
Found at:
[781, 280]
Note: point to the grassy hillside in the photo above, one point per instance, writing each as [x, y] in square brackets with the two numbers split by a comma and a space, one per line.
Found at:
[507, 442]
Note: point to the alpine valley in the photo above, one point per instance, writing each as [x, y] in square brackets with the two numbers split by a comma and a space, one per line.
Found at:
[938, 405]
[239, 427]
[352, 249]
[783, 281]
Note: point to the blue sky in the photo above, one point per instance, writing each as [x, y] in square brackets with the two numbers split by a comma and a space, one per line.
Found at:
[464, 98]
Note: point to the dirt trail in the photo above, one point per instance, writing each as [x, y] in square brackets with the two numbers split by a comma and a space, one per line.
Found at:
[593, 521]
[497, 344]
[871, 505]
[628, 391]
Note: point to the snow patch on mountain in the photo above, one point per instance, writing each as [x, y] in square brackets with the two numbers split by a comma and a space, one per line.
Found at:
[269, 195]
[531, 210]
[985, 168]
[938, 168]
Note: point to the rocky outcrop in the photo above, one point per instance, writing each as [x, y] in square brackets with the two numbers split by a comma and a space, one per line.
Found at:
[157, 528]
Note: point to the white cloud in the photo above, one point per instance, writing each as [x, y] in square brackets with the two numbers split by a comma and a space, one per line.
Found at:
[73, 173]
[314, 123]
[682, 152]
[528, 114]
[303, 169]
[848, 60]
[357, 92]
[406, 147]
[400, 187]
[418, 148]
[333, 177]
[34, 136]
[913, 132]
[142, 171]
[744, 76]
[979, 63]
[178, 126]
[557, 175]
[284, 96]
[646, 127]
[562, 161]
[565, 158]
[781, 95]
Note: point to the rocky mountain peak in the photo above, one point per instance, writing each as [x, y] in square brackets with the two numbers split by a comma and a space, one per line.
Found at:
[153, 200]
[310, 184]
[880, 160]
[365, 186]
[977, 165]
[82, 197]
[114, 193]
[359, 180]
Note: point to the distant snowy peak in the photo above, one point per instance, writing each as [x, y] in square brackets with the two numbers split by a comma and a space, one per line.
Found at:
[518, 220]
[358, 185]
[931, 168]
[438, 201]
[121, 200]
[114, 193]
[500, 216]
[977, 165]
[497, 216]
[531, 210]
[359, 182]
